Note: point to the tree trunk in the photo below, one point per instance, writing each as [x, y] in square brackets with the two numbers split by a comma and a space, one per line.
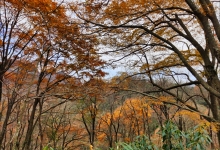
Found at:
[215, 112]
[5, 124]
[27, 142]
[11, 102]
[214, 82]
[1, 86]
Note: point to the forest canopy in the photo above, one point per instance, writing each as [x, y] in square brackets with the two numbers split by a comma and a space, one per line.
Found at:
[55, 55]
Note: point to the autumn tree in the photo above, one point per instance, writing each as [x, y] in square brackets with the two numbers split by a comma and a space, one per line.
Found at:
[179, 39]
[41, 48]
[91, 96]
[125, 122]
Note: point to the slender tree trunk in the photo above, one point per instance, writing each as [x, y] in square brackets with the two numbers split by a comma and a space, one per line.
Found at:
[40, 126]
[11, 102]
[1, 86]
[5, 124]
[27, 142]
[93, 132]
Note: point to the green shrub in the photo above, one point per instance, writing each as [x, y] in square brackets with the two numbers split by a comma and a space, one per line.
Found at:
[140, 143]
[48, 148]
[173, 139]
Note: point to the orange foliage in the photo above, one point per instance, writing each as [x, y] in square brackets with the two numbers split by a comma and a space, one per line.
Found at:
[41, 50]
[130, 115]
